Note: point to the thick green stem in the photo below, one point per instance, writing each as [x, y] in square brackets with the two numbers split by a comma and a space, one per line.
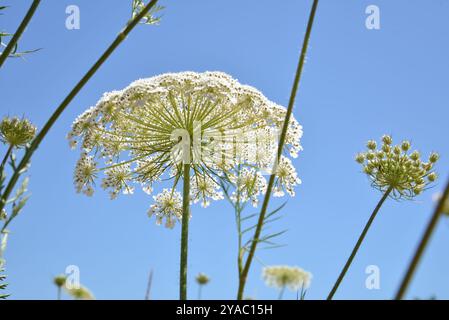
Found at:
[36, 142]
[15, 38]
[184, 233]
[422, 245]
[357, 245]
[266, 200]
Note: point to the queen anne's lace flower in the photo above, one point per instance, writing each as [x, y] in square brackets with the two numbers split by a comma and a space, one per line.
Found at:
[141, 134]
[293, 278]
[396, 168]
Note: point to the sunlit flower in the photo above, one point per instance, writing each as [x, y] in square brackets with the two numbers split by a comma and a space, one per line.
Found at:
[396, 168]
[293, 278]
[146, 132]
[16, 132]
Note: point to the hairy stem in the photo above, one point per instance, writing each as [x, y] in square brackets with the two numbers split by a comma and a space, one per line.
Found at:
[357, 245]
[15, 38]
[184, 233]
[41, 135]
[266, 200]
[422, 245]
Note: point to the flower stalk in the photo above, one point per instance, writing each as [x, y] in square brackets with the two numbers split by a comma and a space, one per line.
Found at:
[73, 93]
[359, 242]
[422, 245]
[184, 233]
[8, 153]
[255, 239]
[13, 43]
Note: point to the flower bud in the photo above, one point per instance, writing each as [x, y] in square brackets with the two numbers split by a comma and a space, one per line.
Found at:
[415, 155]
[434, 157]
[432, 177]
[360, 158]
[372, 145]
[405, 146]
[386, 139]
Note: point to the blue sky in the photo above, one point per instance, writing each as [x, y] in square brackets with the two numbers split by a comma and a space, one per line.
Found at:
[357, 85]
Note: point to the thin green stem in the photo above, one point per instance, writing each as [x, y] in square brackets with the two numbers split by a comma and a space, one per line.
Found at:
[8, 153]
[200, 287]
[359, 242]
[281, 293]
[59, 293]
[266, 200]
[184, 233]
[422, 245]
[36, 142]
[15, 38]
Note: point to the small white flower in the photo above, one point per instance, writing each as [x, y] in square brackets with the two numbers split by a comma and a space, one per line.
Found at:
[85, 174]
[203, 188]
[249, 185]
[287, 178]
[168, 206]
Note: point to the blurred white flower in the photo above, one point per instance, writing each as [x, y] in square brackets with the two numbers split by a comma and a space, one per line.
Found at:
[293, 278]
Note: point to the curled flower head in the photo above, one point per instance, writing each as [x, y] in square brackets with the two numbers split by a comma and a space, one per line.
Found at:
[394, 167]
[16, 132]
[148, 131]
[293, 278]
[202, 279]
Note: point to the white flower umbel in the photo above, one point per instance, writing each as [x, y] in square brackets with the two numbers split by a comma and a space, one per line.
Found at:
[397, 173]
[282, 277]
[194, 127]
[209, 120]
